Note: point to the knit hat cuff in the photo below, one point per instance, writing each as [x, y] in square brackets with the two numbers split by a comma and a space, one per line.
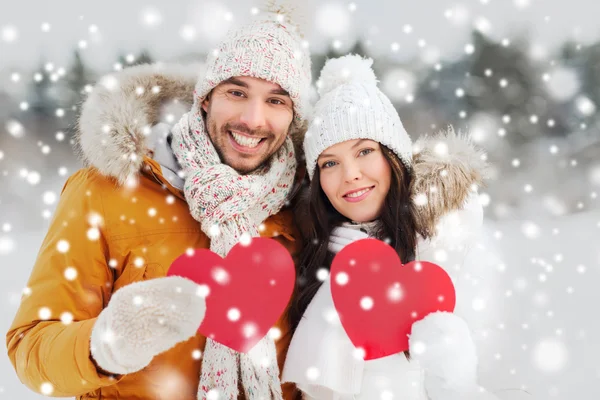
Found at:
[271, 64]
[385, 131]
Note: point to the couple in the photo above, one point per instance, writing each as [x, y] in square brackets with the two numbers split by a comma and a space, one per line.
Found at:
[102, 321]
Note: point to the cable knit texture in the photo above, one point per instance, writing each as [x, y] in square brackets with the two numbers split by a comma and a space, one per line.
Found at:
[144, 319]
[270, 48]
[352, 107]
[228, 205]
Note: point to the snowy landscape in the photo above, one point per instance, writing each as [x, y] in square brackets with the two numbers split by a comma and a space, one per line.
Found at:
[521, 76]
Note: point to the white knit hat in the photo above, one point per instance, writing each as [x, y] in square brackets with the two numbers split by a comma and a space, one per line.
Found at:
[269, 47]
[352, 107]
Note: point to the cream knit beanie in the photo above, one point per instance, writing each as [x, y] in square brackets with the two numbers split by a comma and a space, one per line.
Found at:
[269, 47]
[352, 107]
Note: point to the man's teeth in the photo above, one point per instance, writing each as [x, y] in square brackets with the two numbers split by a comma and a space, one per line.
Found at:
[245, 141]
[359, 193]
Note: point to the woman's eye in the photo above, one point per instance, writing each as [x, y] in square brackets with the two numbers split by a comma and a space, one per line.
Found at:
[328, 164]
[364, 152]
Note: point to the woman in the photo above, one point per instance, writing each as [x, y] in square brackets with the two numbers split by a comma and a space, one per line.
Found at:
[365, 183]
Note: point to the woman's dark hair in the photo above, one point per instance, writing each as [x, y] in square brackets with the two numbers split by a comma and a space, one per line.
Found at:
[316, 218]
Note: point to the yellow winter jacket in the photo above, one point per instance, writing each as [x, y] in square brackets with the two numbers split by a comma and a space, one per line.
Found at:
[111, 236]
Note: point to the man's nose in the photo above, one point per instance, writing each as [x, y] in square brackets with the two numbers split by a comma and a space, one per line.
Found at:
[254, 114]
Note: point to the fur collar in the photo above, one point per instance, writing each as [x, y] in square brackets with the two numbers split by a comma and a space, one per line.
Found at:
[447, 168]
[117, 117]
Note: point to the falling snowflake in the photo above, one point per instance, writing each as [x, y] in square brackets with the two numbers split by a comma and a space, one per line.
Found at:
[550, 355]
[46, 389]
[70, 273]
[233, 314]
[332, 19]
[366, 303]
[9, 33]
[395, 294]
[249, 330]
[7, 245]
[312, 373]
[342, 278]
[563, 84]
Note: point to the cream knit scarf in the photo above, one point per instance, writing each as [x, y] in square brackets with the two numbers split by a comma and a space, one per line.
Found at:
[227, 205]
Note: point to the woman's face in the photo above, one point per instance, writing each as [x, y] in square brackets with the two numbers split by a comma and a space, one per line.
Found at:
[355, 177]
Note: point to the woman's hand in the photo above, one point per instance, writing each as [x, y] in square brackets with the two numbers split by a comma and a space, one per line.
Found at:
[442, 344]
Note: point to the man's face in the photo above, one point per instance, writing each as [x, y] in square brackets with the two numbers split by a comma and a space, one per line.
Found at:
[248, 120]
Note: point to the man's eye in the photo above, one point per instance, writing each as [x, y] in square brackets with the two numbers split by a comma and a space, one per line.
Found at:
[236, 93]
[277, 101]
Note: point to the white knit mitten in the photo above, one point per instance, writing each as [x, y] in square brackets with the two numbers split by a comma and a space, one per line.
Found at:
[144, 319]
[343, 236]
[442, 344]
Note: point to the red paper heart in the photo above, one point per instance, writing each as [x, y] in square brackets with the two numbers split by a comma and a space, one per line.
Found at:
[399, 295]
[256, 279]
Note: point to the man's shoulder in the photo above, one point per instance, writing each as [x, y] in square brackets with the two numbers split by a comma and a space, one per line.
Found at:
[90, 182]
[88, 178]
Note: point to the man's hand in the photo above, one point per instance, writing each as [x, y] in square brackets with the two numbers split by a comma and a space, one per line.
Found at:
[144, 319]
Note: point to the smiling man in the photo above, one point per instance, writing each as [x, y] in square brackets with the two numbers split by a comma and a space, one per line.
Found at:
[102, 320]
[248, 120]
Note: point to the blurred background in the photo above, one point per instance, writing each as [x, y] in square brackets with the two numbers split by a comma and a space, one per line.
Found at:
[521, 76]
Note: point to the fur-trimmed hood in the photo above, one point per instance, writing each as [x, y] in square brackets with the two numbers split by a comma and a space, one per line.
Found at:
[117, 118]
[447, 170]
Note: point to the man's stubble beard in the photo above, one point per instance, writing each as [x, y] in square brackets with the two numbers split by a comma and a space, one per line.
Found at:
[214, 136]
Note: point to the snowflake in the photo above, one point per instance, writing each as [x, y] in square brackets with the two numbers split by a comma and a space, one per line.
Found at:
[233, 314]
[342, 278]
[46, 389]
[332, 19]
[366, 303]
[550, 355]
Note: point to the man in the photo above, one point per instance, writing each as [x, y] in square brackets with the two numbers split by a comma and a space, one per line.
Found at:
[99, 319]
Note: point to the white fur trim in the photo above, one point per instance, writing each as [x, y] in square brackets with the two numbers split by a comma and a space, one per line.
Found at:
[119, 113]
[447, 170]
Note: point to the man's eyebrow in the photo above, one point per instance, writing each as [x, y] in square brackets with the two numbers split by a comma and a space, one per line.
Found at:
[238, 82]
[235, 81]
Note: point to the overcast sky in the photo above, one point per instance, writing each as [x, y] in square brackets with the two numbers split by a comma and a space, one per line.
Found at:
[31, 30]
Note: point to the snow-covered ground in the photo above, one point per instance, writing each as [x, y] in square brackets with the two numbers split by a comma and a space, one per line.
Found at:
[532, 306]
[535, 313]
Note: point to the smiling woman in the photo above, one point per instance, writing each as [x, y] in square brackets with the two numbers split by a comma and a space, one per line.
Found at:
[355, 176]
[248, 120]
[359, 159]
[363, 177]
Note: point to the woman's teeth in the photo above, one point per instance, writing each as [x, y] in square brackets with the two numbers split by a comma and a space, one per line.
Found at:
[245, 141]
[359, 193]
